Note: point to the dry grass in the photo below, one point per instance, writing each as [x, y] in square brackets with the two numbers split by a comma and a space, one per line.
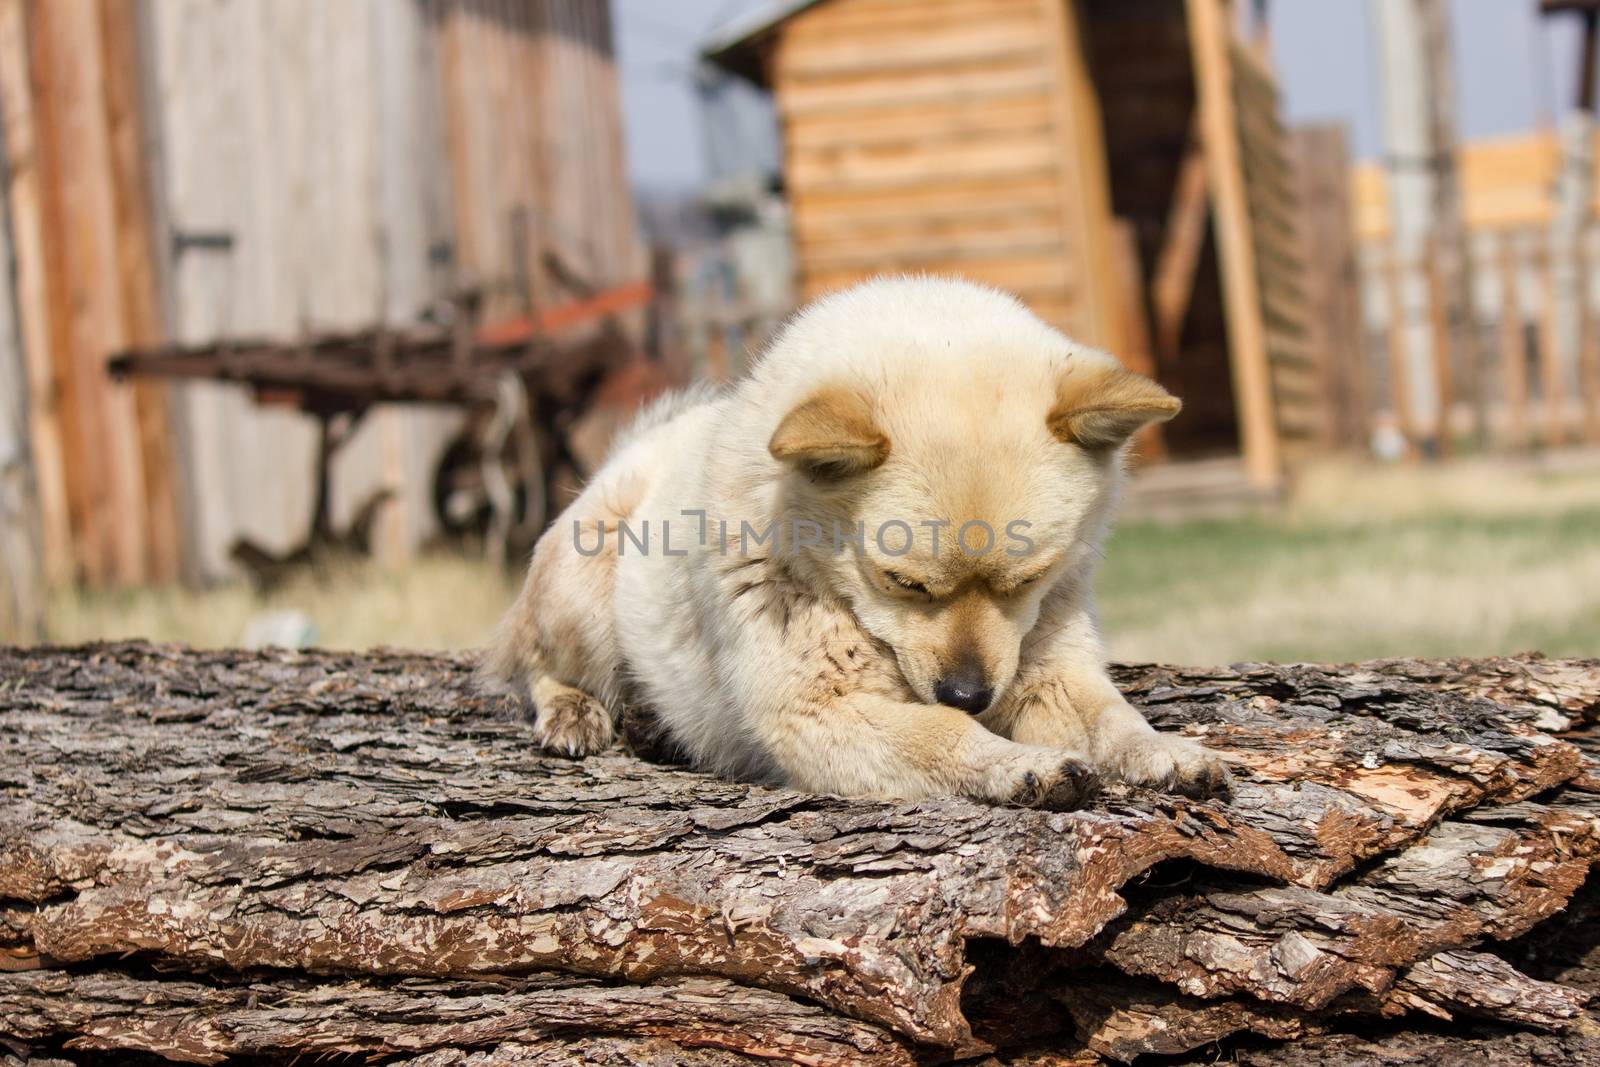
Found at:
[1475, 559]
[441, 602]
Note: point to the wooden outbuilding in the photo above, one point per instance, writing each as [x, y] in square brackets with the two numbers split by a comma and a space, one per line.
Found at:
[1119, 164]
[212, 171]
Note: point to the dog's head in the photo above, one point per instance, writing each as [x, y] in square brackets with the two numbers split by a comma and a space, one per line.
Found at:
[967, 486]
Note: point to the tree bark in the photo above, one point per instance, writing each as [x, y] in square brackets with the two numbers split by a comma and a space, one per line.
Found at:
[216, 855]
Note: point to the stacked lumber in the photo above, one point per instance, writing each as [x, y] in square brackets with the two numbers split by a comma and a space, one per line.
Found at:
[214, 856]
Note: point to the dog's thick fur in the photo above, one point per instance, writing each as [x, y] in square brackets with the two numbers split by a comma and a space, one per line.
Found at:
[924, 402]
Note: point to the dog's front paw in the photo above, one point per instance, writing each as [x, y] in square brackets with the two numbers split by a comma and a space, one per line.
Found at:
[1043, 778]
[568, 721]
[1175, 764]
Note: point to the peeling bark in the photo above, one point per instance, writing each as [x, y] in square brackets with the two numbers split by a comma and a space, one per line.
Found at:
[207, 855]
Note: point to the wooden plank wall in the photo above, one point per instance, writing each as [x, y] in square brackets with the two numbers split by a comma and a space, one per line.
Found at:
[533, 120]
[932, 135]
[1140, 53]
[1506, 182]
[199, 169]
[296, 175]
[1299, 404]
[85, 287]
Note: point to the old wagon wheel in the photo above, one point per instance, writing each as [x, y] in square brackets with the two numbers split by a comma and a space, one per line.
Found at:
[490, 482]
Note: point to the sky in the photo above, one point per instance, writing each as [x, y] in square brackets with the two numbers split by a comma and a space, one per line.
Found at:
[1514, 70]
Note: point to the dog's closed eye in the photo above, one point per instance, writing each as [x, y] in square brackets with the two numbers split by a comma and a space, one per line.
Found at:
[906, 583]
[1023, 583]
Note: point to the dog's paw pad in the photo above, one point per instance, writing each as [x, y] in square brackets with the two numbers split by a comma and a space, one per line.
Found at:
[1076, 784]
[1176, 764]
[572, 723]
[1062, 787]
[1203, 779]
[1029, 791]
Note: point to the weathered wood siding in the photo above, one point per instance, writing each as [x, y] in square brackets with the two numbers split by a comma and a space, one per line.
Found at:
[1140, 53]
[1299, 404]
[951, 136]
[532, 119]
[84, 288]
[298, 167]
[204, 169]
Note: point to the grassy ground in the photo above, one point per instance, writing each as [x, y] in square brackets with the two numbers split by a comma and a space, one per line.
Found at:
[1367, 563]
[1475, 559]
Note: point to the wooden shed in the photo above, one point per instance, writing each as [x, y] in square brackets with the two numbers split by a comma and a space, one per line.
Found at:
[202, 171]
[1119, 164]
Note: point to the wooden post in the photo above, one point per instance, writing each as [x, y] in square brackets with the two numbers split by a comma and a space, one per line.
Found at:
[138, 276]
[1399, 338]
[1450, 260]
[1569, 282]
[1439, 320]
[1172, 280]
[22, 584]
[1552, 384]
[1136, 354]
[1410, 159]
[1588, 349]
[1513, 343]
[1252, 382]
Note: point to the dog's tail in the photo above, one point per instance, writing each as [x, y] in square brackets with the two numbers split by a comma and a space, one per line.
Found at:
[509, 663]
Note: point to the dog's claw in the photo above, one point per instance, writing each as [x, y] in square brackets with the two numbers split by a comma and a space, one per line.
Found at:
[1064, 787]
[571, 723]
[1210, 780]
[1075, 786]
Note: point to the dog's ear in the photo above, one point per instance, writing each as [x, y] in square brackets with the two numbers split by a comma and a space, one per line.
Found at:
[830, 435]
[1099, 409]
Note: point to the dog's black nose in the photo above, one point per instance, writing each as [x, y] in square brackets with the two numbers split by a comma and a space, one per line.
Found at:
[964, 689]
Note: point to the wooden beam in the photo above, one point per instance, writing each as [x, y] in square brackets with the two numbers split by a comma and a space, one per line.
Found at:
[105, 485]
[1252, 383]
[1588, 348]
[1084, 175]
[1450, 255]
[22, 585]
[138, 277]
[1137, 354]
[1172, 281]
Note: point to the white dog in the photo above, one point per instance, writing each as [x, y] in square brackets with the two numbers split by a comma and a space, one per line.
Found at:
[865, 569]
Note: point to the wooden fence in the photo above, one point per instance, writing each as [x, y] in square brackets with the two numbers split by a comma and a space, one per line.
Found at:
[1537, 392]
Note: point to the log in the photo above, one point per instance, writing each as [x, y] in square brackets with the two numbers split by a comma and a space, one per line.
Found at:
[208, 856]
